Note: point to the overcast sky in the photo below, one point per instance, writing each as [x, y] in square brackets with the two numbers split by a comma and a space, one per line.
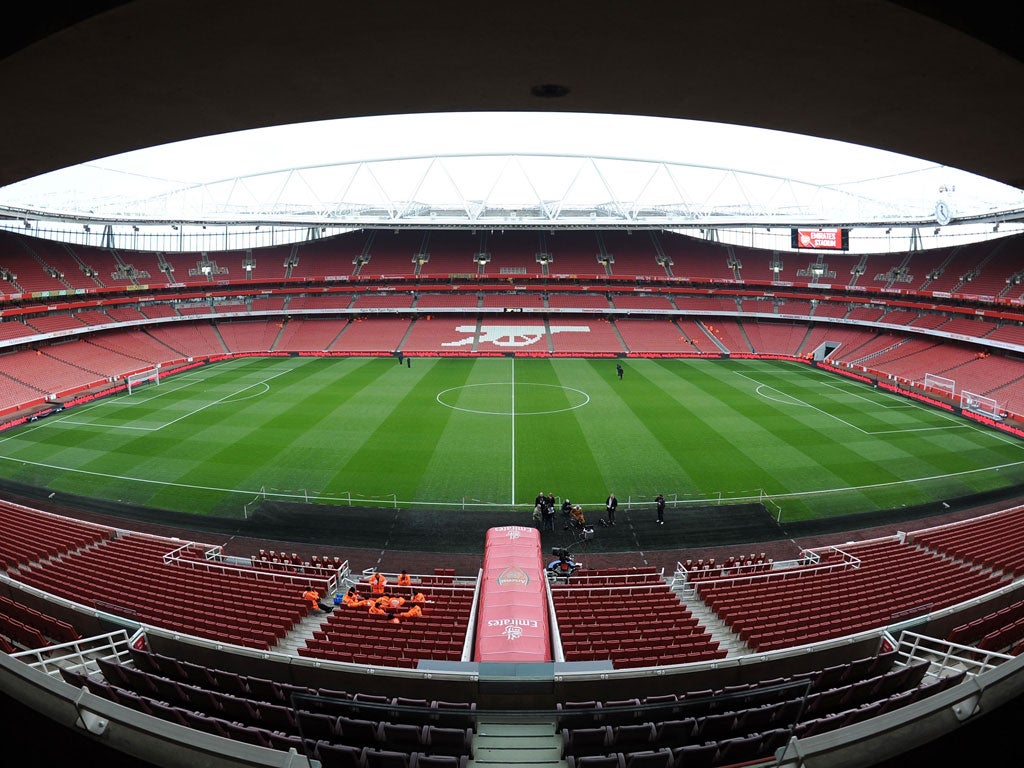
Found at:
[811, 160]
[819, 160]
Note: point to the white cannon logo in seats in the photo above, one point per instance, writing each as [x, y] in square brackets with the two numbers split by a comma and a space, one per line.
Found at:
[510, 335]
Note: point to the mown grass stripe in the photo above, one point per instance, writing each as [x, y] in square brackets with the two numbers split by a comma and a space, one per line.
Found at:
[372, 429]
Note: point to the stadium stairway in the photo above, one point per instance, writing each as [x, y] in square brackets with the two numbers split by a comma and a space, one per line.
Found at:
[727, 640]
[301, 632]
[516, 740]
[618, 335]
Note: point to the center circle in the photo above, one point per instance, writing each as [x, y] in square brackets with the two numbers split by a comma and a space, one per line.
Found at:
[487, 399]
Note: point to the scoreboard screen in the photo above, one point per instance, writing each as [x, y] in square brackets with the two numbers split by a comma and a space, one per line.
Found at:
[829, 239]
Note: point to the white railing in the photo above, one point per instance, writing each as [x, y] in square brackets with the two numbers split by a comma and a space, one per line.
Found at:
[647, 579]
[77, 654]
[946, 657]
[214, 560]
[809, 564]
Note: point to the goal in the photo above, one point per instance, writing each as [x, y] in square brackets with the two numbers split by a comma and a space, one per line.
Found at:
[940, 384]
[986, 406]
[135, 379]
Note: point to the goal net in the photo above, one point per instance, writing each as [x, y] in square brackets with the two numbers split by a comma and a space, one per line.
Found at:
[986, 406]
[940, 384]
[135, 379]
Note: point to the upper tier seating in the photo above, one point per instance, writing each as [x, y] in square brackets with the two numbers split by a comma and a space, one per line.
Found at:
[696, 260]
[633, 254]
[451, 252]
[330, 258]
[392, 254]
[576, 254]
[514, 253]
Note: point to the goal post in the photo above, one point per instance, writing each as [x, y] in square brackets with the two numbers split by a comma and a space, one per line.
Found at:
[986, 406]
[940, 384]
[253, 503]
[771, 506]
[143, 377]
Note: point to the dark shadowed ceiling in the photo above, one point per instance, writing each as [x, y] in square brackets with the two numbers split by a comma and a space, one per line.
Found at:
[938, 80]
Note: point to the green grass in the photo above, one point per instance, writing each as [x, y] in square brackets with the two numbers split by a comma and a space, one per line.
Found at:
[497, 431]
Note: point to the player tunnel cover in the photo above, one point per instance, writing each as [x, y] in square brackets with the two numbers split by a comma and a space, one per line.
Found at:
[513, 615]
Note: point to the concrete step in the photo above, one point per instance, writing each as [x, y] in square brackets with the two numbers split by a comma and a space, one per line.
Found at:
[728, 640]
[511, 730]
[517, 740]
[524, 755]
[302, 631]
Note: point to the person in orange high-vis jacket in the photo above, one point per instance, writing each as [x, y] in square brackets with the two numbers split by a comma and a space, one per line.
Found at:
[378, 582]
[405, 582]
[314, 600]
[415, 610]
[376, 610]
[354, 600]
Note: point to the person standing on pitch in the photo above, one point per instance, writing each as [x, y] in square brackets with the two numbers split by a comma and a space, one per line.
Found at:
[618, 370]
[660, 501]
[548, 512]
[610, 504]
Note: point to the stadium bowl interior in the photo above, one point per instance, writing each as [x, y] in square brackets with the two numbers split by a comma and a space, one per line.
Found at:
[940, 81]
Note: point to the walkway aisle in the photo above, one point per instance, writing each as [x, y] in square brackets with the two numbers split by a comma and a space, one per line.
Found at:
[512, 740]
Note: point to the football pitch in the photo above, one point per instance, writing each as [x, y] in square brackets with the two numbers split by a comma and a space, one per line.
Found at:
[493, 432]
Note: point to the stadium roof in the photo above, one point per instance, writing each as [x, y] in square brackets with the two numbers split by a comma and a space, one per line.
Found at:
[937, 82]
[479, 170]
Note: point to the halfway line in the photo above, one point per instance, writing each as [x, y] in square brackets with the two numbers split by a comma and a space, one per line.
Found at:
[512, 410]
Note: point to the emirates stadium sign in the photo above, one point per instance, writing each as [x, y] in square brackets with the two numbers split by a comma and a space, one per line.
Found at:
[830, 239]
